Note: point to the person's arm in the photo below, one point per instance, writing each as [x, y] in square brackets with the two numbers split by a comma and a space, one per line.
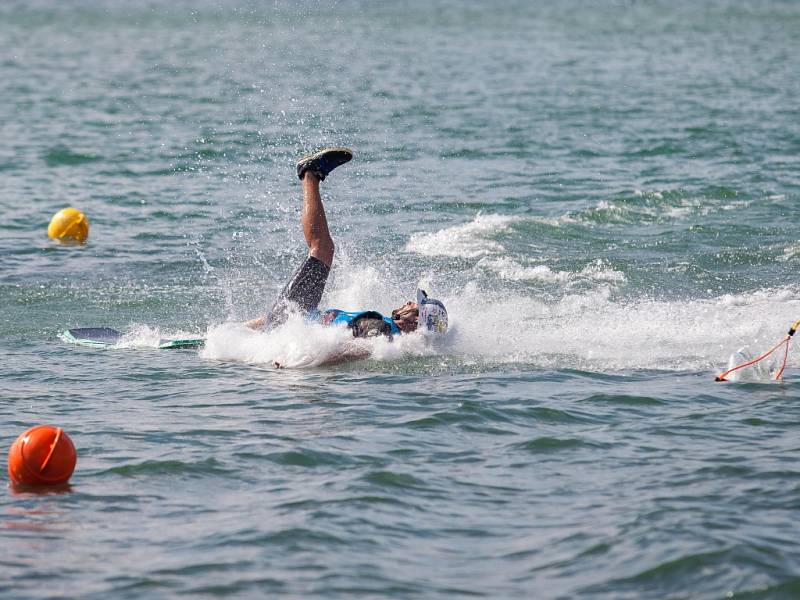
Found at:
[257, 323]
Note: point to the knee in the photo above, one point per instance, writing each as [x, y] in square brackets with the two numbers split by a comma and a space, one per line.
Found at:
[324, 250]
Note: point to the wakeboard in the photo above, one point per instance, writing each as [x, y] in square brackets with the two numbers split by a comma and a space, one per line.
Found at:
[106, 337]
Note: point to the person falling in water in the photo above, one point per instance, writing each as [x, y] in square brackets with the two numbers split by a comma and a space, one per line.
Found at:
[305, 288]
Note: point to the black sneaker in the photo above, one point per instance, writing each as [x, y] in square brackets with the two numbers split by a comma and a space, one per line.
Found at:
[323, 162]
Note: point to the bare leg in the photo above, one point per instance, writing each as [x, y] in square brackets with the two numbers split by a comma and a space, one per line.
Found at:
[314, 222]
[315, 230]
[311, 282]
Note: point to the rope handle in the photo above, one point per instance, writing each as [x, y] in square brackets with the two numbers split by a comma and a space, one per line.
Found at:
[795, 326]
[792, 330]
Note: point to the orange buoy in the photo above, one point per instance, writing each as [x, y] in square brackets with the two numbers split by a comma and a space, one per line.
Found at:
[43, 455]
[69, 225]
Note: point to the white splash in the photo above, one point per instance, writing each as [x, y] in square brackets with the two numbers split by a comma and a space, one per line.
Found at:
[588, 327]
[764, 370]
[507, 268]
[145, 336]
[594, 332]
[469, 240]
[791, 252]
[299, 343]
[659, 207]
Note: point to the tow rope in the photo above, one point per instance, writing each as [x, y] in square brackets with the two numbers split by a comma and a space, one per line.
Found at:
[784, 342]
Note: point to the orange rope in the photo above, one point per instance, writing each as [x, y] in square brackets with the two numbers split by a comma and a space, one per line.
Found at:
[785, 340]
[785, 356]
[752, 362]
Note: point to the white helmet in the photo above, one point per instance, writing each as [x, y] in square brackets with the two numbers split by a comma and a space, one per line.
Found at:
[432, 314]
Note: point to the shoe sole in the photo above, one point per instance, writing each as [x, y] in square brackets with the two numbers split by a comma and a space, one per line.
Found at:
[311, 157]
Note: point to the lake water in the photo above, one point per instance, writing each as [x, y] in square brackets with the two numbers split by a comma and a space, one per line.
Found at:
[605, 196]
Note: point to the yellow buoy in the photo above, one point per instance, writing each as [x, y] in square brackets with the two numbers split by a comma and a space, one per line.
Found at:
[69, 224]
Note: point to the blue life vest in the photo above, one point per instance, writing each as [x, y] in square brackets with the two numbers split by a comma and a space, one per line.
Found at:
[334, 316]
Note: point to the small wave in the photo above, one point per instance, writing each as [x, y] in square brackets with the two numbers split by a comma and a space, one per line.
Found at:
[624, 400]
[544, 414]
[508, 268]
[790, 253]
[546, 445]
[394, 480]
[469, 415]
[726, 471]
[660, 206]
[673, 576]
[557, 221]
[469, 240]
[296, 537]
[169, 467]
[666, 149]
[307, 458]
[60, 155]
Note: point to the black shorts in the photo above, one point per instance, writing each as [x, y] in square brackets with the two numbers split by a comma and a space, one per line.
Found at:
[304, 290]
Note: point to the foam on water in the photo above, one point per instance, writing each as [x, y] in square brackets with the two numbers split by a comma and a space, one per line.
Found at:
[791, 252]
[469, 240]
[656, 206]
[300, 344]
[591, 330]
[508, 268]
[588, 324]
[146, 336]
